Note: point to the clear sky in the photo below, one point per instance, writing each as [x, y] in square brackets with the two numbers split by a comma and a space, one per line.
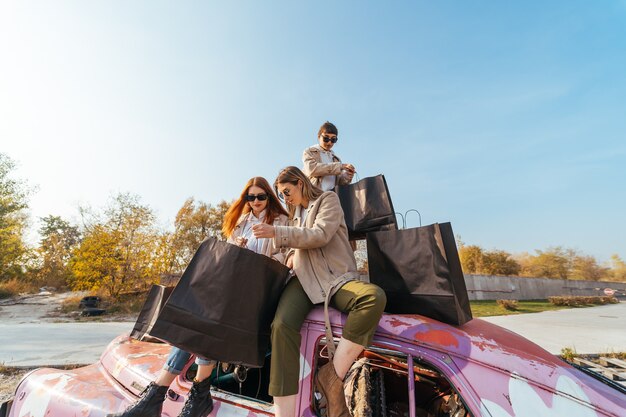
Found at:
[507, 119]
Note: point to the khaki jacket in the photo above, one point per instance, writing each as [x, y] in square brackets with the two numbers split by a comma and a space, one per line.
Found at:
[268, 248]
[322, 256]
[316, 170]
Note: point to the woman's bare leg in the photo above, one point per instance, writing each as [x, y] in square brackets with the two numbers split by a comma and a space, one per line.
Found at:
[204, 371]
[165, 378]
[345, 355]
[285, 406]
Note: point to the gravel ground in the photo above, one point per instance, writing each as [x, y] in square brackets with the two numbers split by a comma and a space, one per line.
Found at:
[9, 378]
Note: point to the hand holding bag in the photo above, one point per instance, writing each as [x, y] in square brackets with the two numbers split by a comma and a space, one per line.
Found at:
[420, 271]
[224, 304]
[367, 206]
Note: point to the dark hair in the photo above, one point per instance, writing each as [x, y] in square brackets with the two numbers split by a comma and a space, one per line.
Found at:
[292, 175]
[274, 208]
[327, 127]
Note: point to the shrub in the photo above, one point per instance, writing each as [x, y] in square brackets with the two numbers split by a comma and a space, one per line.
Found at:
[579, 301]
[13, 287]
[510, 305]
[568, 354]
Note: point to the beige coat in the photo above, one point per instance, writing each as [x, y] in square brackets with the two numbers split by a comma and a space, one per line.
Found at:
[316, 170]
[268, 248]
[322, 259]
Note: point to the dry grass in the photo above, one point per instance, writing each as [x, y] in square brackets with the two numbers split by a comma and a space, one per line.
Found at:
[582, 301]
[70, 304]
[492, 308]
[9, 378]
[510, 305]
[14, 287]
[125, 304]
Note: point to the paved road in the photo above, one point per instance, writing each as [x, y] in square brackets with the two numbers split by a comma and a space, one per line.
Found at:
[33, 341]
[599, 329]
[41, 344]
[32, 333]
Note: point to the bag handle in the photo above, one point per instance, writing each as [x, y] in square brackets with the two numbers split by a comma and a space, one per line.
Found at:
[330, 339]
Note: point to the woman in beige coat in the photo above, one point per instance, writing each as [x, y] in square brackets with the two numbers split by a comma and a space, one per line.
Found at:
[325, 270]
[322, 165]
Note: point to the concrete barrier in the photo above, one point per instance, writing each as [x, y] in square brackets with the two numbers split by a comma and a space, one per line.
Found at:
[491, 287]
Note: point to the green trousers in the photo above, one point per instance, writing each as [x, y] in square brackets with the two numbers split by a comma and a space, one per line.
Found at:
[364, 303]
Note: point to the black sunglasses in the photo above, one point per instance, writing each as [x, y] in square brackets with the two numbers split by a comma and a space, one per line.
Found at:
[252, 197]
[326, 139]
[282, 195]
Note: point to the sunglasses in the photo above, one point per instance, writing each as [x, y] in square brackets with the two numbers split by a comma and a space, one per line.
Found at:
[326, 139]
[282, 195]
[252, 197]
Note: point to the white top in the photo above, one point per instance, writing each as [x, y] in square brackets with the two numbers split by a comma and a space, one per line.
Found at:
[328, 181]
[301, 213]
[254, 244]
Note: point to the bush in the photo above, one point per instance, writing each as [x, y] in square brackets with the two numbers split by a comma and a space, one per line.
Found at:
[579, 301]
[13, 287]
[510, 305]
[568, 354]
[128, 303]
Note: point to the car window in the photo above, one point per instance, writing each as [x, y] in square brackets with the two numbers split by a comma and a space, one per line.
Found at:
[388, 383]
[252, 383]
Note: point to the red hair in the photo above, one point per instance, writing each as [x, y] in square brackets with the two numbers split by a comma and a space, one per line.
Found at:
[241, 206]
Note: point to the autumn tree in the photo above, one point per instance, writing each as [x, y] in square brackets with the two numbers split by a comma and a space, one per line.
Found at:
[194, 222]
[586, 267]
[471, 258]
[499, 262]
[13, 221]
[98, 262]
[58, 239]
[617, 268]
[551, 263]
[119, 251]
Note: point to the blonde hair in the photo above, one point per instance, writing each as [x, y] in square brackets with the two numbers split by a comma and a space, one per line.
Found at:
[292, 175]
[241, 206]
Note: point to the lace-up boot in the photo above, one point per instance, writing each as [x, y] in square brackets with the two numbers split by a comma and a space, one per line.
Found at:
[150, 403]
[199, 402]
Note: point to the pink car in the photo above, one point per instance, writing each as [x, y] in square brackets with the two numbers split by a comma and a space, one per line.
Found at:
[416, 367]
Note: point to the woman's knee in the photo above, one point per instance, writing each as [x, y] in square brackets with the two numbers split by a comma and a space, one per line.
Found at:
[380, 298]
[372, 297]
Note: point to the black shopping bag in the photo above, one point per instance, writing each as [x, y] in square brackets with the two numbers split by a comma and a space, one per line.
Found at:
[420, 271]
[367, 206]
[157, 296]
[224, 304]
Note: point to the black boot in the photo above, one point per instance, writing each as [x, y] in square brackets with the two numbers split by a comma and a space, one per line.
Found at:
[199, 402]
[150, 403]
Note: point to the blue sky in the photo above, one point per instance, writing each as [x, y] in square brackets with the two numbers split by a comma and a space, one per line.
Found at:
[506, 119]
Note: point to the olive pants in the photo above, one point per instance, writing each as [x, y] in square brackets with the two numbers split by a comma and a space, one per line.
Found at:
[364, 303]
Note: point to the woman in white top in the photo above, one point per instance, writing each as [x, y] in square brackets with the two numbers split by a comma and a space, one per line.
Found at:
[257, 204]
